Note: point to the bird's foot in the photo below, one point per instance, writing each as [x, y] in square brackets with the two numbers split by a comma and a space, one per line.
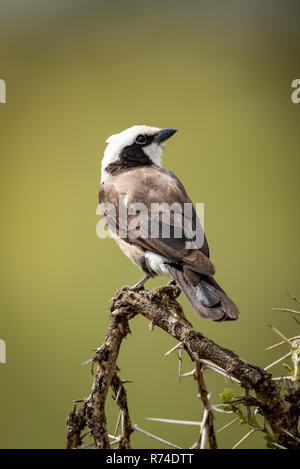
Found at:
[138, 286]
[172, 282]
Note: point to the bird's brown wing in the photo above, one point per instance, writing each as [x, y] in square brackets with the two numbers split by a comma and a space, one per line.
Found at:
[148, 186]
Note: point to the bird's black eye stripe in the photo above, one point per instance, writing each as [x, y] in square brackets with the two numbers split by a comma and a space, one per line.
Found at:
[141, 139]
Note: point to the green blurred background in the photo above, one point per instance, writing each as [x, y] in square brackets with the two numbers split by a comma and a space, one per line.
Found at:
[78, 71]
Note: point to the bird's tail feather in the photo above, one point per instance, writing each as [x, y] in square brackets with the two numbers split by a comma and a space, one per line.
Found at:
[207, 298]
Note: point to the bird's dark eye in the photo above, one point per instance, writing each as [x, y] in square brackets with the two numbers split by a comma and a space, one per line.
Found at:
[140, 139]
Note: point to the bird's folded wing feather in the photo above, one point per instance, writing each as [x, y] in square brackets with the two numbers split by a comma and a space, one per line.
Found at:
[170, 234]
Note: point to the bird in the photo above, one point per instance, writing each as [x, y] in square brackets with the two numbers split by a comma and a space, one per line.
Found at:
[134, 181]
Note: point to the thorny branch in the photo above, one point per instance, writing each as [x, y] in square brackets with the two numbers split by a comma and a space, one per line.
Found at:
[208, 413]
[281, 412]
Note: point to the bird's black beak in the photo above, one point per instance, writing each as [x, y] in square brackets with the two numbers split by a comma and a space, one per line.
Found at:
[163, 135]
